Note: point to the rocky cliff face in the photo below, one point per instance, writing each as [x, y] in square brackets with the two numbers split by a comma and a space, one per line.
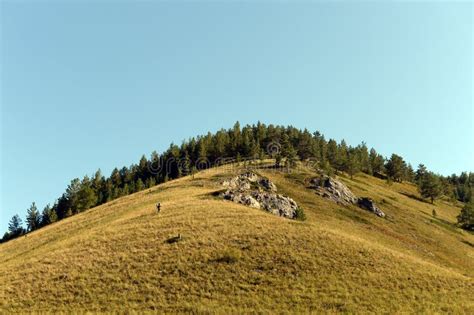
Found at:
[258, 192]
[336, 191]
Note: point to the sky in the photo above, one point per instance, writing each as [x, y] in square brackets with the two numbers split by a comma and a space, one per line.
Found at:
[89, 85]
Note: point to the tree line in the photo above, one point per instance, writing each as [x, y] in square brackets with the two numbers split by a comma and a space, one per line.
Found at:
[286, 145]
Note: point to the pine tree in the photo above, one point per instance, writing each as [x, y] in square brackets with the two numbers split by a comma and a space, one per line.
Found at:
[108, 190]
[143, 168]
[45, 215]
[396, 168]
[150, 182]
[287, 151]
[139, 185]
[420, 172]
[254, 150]
[126, 190]
[326, 168]
[61, 206]
[410, 174]
[353, 163]
[363, 158]
[430, 187]
[15, 226]
[291, 157]
[323, 149]
[155, 164]
[305, 146]
[172, 157]
[245, 145]
[97, 185]
[466, 217]
[261, 155]
[202, 150]
[127, 175]
[238, 158]
[53, 217]
[316, 147]
[86, 197]
[260, 133]
[72, 194]
[376, 162]
[236, 138]
[332, 153]
[33, 218]
[278, 159]
[185, 164]
[220, 143]
[115, 178]
[342, 157]
[193, 171]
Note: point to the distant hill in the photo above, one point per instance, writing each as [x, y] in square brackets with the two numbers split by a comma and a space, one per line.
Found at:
[205, 254]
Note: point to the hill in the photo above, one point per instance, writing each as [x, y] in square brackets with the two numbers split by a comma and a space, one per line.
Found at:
[122, 255]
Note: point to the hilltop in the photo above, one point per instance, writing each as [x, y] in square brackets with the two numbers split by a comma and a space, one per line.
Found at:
[205, 254]
[286, 146]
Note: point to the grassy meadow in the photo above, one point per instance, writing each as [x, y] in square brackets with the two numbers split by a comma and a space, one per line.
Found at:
[231, 259]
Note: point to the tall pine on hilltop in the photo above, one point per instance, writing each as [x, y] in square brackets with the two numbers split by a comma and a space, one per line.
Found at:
[15, 228]
[33, 218]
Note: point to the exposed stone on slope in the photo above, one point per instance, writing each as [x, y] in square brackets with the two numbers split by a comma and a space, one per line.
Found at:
[368, 204]
[336, 191]
[333, 189]
[258, 192]
[267, 184]
[245, 181]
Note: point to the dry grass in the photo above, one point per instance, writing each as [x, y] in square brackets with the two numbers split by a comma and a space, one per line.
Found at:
[233, 259]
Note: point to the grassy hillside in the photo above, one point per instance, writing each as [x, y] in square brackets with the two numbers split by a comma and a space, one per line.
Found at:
[122, 255]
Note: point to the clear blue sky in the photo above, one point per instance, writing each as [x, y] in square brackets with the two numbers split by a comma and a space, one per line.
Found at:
[95, 85]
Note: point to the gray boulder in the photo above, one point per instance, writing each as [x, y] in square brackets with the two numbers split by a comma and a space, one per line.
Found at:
[333, 189]
[336, 191]
[258, 192]
[369, 204]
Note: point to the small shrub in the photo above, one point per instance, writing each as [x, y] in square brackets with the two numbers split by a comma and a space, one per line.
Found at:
[299, 214]
[174, 239]
[230, 256]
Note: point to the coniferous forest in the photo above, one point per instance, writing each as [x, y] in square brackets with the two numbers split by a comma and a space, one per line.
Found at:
[286, 145]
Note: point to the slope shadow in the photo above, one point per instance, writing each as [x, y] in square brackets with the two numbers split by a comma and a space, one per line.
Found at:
[412, 196]
[443, 223]
[468, 243]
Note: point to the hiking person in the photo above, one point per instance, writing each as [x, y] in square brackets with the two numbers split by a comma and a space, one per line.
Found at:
[158, 207]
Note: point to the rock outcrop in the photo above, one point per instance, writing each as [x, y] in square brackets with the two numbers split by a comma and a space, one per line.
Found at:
[333, 189]
[258, 192]
[336, 191]
[369, 204]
